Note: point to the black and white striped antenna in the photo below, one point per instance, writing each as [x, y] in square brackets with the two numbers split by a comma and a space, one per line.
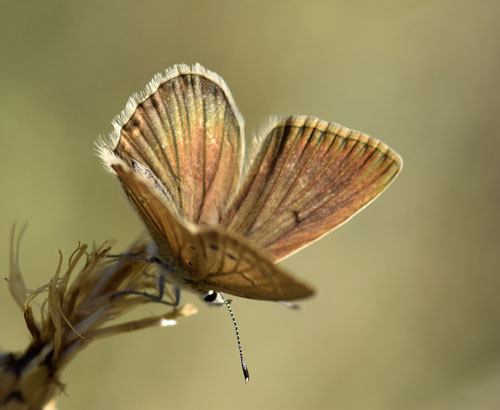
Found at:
[243, 364]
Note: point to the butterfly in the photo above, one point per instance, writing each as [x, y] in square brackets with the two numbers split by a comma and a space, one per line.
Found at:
[219, 222]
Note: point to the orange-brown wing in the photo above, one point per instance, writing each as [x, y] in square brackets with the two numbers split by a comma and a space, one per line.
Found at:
[307, 177]
[185, 132]
[236, 267]
[210, 258]
[175, 240]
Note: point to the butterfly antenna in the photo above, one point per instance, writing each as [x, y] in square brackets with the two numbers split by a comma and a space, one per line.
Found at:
[243, 364]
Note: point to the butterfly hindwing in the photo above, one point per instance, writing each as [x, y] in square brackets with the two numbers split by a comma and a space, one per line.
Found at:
[307, 177]
[237, 267]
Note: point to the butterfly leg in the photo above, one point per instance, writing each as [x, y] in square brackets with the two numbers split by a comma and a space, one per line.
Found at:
[154, 298]
[161, 285]
[133, 257]
[161, 291]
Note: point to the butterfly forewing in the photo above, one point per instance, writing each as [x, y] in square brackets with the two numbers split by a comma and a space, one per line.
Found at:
[188, 133]
[308, 177]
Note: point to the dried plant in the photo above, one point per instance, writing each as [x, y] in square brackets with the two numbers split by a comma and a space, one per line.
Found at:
[74, 313]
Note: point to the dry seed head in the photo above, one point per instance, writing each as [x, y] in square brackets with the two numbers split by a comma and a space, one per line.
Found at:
[77, 307]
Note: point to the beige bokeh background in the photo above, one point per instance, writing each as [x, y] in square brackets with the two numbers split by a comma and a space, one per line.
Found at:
[407, 311]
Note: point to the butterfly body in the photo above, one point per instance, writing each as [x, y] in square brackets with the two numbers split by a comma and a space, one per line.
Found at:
[178, 150]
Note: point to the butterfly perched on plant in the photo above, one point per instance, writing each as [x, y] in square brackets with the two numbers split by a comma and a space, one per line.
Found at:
[220, 223]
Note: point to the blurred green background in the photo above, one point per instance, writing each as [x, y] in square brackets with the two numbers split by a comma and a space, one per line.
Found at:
[407, 311]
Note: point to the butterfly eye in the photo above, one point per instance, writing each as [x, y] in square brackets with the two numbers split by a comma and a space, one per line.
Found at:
[210, 296]
[213, 297]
